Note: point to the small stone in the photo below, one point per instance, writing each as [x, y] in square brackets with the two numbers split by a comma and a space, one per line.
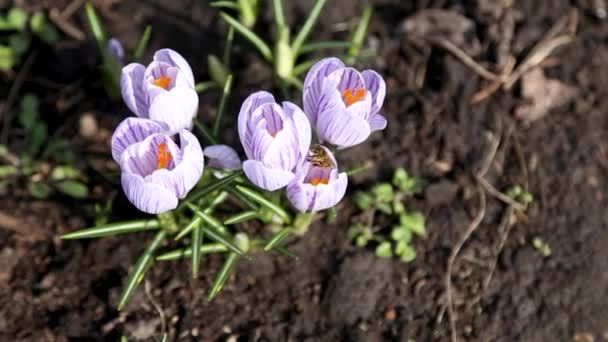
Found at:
[390, 314]
[88, 125]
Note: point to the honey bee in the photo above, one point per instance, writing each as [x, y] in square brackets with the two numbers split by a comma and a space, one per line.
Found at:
[319, 157]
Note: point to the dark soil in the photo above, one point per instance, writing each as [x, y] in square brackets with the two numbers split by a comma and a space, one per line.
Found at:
[53, 290]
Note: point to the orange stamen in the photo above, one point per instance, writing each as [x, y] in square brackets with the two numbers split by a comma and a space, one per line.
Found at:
[162, 82]
[317, 181]
[350, 97]
[163, 157]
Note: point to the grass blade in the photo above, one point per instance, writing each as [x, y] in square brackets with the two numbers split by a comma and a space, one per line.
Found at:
[279, 16]
[305, 31]
[220, 238]
[187, 252]
[359, 35]
[143, 264]
[278, 238]
[113, 229]
[198, 194]
[259, 198]
[189, 228]
[241, 217]
[197, 241]
[222, 275]
[284, 251]
[228, 48]
[142, 43]
[96, 28]
[206, 133]
[225, 4]
[330, 44]
[262, 47]
[222, 107]
[246, 201]
[201, 87]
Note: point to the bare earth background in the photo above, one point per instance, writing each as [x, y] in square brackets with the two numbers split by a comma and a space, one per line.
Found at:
[553, 133]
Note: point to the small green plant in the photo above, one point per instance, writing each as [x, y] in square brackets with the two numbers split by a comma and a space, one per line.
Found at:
[19, 39]
[46, 163]
[388, 199]
[517, 193]
[541, 246]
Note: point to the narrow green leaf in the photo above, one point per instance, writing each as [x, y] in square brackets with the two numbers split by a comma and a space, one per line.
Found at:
[222, 107]
[278, 238]
[202, 87]
[241, 217]
[43, 29]
[200, 193]
[187, 252]
[196, 221]
[143, 264]
[96, 27]
[228, 48]
[220, 238]
[248, 12]
[284, 251]
[279, 16]
[73, 188]
[332, 44]
[359, 35]
[142, 43]
[246, 201]
[222, 275]
[113, 229]
[197, 241]
[217, 71]
[249, 35]
[225, 4]
[164, 338]
[259, 198]
[206, 133]
[307, 27]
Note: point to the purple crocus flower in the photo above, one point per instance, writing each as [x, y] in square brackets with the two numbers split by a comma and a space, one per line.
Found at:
[342, 104]
[222, 157]
[156, 171]
[115, 50]
[317, 184]
[275, 138]
[163, 91]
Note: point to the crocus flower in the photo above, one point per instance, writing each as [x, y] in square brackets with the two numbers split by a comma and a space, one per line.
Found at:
[115, 50]
[157, 171]
[162, 91]
[133, 130]
[317, 184]
[342, 104]
[222, 157]
[275, 138]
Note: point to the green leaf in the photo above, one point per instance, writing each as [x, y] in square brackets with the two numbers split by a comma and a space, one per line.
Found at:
[284, 251]
[197, 241]
[38, 135]
[19, 43]
[73, 188]
[248, 12]
[383, 192]
[28, 117]
[96, 28]
[405, 183]
[220, 238]
[401, 234]
[408, 254]
[113, 229]
[361, 241]
[262, 201]
[62, 172]
[222, 275]
[241, 240]
[279, 16]
[363, 200]
[222, 106]
[225, 4]
[384, 250]
[401, 247]
[385, 208]
[241, 217]
[142, 43]
[143, 264]
[262, 47]
[39, 190]
[307, 27]
[195, 222]
[413, 221]
[43, 29]
[17, 18]
[358, 35]
[200, 193]
[217, 71]
[7, 58]
[332, 44]
[187, 252]
[202, 87]
[278, 238]
[8, 171]
[398, 207]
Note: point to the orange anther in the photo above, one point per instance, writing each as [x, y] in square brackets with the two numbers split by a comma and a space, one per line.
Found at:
[163, 157]
[162, 82]
[317, 181]
[351, 97]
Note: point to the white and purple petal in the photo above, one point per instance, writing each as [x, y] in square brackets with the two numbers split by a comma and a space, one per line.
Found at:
[177, 108]
[374, 84]
[222, 157]
[270, 179]
[175, 59]
[313, 84]
[131, 86]
[148, 197]
[131, 131]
